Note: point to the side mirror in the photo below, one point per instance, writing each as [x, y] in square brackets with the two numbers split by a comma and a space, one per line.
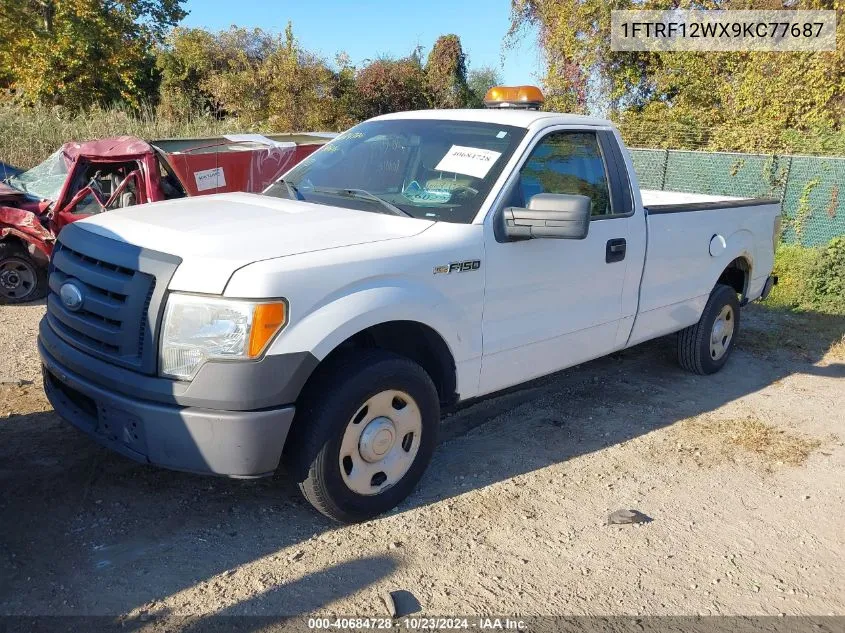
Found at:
[555, 215]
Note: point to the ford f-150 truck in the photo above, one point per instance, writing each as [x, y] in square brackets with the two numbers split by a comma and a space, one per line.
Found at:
[418, 260]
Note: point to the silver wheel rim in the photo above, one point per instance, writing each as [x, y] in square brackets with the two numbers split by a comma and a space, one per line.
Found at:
[722, 333]
[17, 278]
[380, 442]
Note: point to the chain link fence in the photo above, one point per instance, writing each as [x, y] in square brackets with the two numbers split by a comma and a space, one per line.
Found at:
[812, 188]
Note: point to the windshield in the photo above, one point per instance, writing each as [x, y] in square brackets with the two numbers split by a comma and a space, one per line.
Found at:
[45, 180]
[431, 169]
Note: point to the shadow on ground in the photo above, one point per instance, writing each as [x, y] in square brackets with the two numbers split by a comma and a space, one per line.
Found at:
[86, 531]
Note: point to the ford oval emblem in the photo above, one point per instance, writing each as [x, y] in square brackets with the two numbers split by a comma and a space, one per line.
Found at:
[71, 296]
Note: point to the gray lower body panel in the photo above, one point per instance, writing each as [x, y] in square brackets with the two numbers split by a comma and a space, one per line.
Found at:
[232, 386]
[209, 441]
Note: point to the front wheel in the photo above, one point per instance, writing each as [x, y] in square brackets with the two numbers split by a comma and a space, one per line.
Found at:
[21, 278]
[364, 434]
[704, 348]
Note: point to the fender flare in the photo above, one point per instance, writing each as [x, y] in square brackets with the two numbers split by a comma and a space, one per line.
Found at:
[740, 245]
[353, 310]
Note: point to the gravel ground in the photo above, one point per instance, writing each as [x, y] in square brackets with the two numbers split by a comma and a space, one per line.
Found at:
[18, 329]
[741, 473]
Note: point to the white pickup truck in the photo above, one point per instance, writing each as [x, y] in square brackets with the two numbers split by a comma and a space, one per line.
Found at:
[418, 260]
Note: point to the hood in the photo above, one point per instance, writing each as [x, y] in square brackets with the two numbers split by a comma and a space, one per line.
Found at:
[9, 193]
[215, 235]
[12, 198]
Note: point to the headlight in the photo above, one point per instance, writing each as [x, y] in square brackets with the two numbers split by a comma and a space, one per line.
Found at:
[198, 328]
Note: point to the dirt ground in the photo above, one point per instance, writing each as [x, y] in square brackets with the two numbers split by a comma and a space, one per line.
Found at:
[741, 472]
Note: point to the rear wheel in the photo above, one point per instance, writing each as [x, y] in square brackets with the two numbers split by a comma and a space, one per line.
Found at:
[364, 434]
[21, 278]
[704, 348]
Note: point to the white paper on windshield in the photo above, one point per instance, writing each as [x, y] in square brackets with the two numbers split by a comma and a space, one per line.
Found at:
[469, 161]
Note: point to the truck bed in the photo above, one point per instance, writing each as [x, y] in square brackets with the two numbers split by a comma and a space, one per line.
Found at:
[680, 267]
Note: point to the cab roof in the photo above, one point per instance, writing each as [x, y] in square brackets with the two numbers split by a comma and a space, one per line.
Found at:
[113, 147]
[500, 116]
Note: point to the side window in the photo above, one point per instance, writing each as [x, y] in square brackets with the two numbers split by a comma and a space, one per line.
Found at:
[567, 162]
[104, 179]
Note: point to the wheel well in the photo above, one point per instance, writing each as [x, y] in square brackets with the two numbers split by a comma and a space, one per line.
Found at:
[415, 341]
[28, 248]
[736, 276]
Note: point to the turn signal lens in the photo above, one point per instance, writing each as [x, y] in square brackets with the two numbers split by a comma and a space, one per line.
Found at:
[267, 319]
[201, 328]
[513, 97]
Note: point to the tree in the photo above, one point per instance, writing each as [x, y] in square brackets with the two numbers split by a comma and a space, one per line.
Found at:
[756, 101]
[78, 53]
[186, 60]
[480, 80]
[446, 73]
[262, 78]
[391, 85]
[302, 88]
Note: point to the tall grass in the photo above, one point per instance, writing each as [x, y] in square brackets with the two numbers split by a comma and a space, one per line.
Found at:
[810, 279]
[28, 135]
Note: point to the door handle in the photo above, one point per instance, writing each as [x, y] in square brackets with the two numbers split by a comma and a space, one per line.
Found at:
[615, 251]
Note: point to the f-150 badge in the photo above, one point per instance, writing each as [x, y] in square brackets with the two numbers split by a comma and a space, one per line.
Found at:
[458, 267]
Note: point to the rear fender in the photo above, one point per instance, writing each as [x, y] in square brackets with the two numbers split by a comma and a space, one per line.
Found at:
[739, 245]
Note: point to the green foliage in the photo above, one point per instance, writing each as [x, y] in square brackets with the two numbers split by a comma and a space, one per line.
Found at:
[255, 76]
[79, 53]
[810, 278]
[479, 81]
[84, 54]
[446, 73]
[804, 210]
[733, 101]
[792, 267]
[388, 85]
[186, 60]
[826, 282]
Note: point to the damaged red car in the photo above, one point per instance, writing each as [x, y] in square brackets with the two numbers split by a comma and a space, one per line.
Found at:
[82, 179]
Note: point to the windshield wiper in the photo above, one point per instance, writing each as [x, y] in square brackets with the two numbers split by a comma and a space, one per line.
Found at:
[361, 194]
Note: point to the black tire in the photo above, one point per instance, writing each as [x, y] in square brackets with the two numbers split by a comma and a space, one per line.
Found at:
[694, 342]
[332, 397]
[22, 279]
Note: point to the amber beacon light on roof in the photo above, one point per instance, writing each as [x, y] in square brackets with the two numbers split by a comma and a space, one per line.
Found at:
[525, 97]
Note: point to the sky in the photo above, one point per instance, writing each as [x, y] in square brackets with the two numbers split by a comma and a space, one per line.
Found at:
[366, 29]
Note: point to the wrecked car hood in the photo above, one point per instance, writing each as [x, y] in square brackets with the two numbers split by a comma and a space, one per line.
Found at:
[10, 193]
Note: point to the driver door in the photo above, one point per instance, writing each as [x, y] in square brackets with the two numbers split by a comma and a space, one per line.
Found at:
[554, 303]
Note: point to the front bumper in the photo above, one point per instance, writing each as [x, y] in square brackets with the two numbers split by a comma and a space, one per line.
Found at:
[194, 439]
